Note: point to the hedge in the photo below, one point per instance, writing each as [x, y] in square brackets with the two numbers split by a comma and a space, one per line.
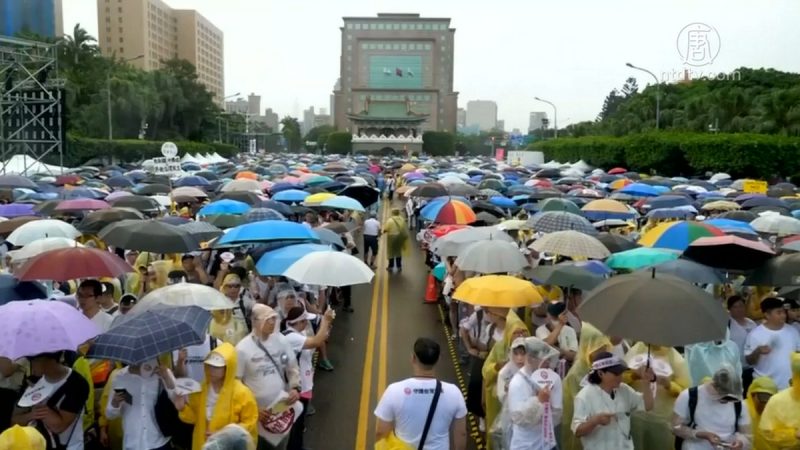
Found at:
[78, 150]
[674, 153]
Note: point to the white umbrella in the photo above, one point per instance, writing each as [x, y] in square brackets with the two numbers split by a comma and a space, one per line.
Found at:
[41, 246]
[774, 223]
[571, 243]
[719, 177]
[41, 229]
[491, 257]
[452, 243]
[329, 268]
[183, 294]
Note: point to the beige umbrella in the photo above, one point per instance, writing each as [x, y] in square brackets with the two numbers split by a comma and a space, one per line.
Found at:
[188, 191]
[242, 185]
[721, 205]
[571, 243]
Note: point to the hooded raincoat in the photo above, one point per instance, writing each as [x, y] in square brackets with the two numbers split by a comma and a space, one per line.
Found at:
[590, 342]
[226, 326]
[761, 385]
[780, 421]
[706, 358]
[235, 404]
[499, 353]
[22, 438]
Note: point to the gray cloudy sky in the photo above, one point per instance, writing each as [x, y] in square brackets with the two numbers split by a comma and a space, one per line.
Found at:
[571, 52]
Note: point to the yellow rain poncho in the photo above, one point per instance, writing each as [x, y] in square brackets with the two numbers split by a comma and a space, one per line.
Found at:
[22, 438]
[235, 404]
[396, 235]
[499, 354]
[780, 421]
[761, 385]
[162, 267]
[113, 426]
[652, 429]
[590, 342]
[224, 325]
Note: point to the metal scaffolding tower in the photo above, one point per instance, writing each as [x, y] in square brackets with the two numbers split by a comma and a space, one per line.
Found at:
[32, 104]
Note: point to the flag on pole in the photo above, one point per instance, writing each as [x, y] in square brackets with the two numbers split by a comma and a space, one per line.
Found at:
[398, 71]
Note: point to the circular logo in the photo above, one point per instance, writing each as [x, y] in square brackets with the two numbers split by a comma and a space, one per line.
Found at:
[698, 44]
[407, 391]
[169, 149]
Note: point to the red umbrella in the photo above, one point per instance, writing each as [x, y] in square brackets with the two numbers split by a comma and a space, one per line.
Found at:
[444, 230]
[617, 171]
[729, 252]
[82, 204]
[67, 179]
[72, 263]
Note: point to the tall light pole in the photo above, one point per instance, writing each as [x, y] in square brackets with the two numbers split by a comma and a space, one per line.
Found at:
[658, 91]
[108, 95]
[219, 124]
[555, 114]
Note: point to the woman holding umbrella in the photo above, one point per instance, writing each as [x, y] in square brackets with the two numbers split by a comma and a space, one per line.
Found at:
[396, 239]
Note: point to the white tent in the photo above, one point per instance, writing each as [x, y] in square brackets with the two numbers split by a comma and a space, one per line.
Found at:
[218, 158]
[27, 165]
[189, 158]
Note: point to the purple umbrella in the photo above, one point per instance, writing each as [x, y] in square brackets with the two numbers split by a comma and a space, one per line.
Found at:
[17, 210]
[32, 327]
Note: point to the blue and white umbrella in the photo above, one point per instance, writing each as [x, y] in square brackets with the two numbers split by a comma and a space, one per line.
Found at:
[275, 262]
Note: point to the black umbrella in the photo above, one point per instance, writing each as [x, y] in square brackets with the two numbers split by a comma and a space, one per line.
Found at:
[225, 220]
[97, 220]
[149, 236]
[282, 208]
[483, 206]
[430, 190]
[462, 190]
[616, 243]
[366, 195]
[689, 271]
[202, 231]
[729, 252]
[17, 181]
[137, 202]
[741, 216]
[783, 270]
[173, 220]
[153, 189]
[250, 198]
[12, 289]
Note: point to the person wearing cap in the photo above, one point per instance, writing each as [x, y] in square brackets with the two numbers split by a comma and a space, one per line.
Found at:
[769, 346]
[603, 408]
[222, 400]
[297, 330]
[268, 366]
[558, 333]
[714, 421]
[780, 422]
[792, 313]
[534, 400]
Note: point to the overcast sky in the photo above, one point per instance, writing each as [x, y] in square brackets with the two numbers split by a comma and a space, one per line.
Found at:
[571, 52]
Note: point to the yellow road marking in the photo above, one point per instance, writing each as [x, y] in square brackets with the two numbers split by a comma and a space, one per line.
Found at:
[384, 344]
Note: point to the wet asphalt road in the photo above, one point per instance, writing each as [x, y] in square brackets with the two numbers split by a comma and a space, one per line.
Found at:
[371, 348]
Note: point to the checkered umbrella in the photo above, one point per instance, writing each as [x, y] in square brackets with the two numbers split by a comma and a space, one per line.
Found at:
[571, 243]
[259, 214]
[552, 221]
[152, 333]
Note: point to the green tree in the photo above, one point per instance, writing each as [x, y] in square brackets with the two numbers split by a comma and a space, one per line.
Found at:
[290, 127]
[339, 143]
[438, 143]
[319, 135]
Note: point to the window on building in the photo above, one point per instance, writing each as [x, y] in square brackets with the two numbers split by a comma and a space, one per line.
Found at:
[119, 19]
[357, 26]
[108, 19]
[119, 9]
[121, 40]
[349, 26]
[122, 49]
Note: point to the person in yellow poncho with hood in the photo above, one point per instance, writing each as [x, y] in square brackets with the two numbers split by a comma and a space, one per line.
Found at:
[22, 438]
[591, 342]
[759, 393]
[230, 325]
[780, 422]
[396, 239]
[513, 328]
[223, 399]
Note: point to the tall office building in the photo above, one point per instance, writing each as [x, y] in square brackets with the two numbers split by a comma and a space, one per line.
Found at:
[152, 32]
[43, 17]
[482, 113]
[535, 122]
[396, 66]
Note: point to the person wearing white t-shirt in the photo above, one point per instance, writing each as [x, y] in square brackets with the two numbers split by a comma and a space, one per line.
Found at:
[88, 295]
[769, 346]
[372, 232]
[404, 406]
[739, 324]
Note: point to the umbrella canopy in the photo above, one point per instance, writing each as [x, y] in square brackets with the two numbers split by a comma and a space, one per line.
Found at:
[606, 208]
[149, 236]
[571, 243]
[41, 229]
[71, 264]
[566, 275]
[639, 190]
[552, 221]
[242, 185]
[250, 198]
[17, 210]
[689, 271]
[41, 246]
[454, 242]
[783, 270]
[183, 294]
[342, 202]
[741, 216]
[225, 220]
[137, 202]
[95, 221]
[500, 291]
[268, 230]
[259, 214]
[188, 191]
[16, 181]
[732, 226]
[366, 195]
[202, 231]
[720, 205]
[282, 208]
[33, 327]
[616, 243]
[729, 252]
[327, 236]
[276, 262]
[146, 336]
[677, 235]
[491, 257]
[12, 289]
[645, 307]
[290, 196]
[316, 199]
[559, 204]
[329, 268]
[7, 226]
[448, 212]
[640, 257]
[430, 190]
[776, 224]
[82, 204]
[224, 206]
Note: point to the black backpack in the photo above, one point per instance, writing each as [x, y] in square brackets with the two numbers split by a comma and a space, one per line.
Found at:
[737, 407]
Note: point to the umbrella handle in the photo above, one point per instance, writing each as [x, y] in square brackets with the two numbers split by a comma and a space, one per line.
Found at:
[648, 350]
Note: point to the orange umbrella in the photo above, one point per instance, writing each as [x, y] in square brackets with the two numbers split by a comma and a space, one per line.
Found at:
[247, 175]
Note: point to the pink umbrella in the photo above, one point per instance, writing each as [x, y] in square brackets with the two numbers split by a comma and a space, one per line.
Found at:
[82, 204]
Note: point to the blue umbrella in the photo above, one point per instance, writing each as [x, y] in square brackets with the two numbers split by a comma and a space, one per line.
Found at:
[12, 289]
[291, 195]
[119, 182]
[145, 336]
[343, 202]
[282, 208]
[503, 202]
[259, 214]
[284, 186]
[268, 230]
[275, 262]
[640, 189]
[192, 181]
[329, 237]
[225, 206]
[732, 226]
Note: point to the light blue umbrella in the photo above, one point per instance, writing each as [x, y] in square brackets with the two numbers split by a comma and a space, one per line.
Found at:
[268, 230]
[225, 206]
[640, 190]
[732, 226]
[343, 202]
[291, 195]
[275, 262]
[503, 202]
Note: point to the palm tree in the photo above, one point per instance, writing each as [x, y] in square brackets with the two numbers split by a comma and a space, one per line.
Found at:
[78, 47]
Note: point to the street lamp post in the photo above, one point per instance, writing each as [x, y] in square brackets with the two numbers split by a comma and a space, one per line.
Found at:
[219, 124]
[108, 96]
[555, 115]
[658, 92]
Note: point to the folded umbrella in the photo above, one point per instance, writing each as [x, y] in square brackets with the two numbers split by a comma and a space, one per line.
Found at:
[501, 291]
[491, 257]
[33, 327]
[152, 333]
[571, 243]
[149, 236]
[329, 268]
[646, 306]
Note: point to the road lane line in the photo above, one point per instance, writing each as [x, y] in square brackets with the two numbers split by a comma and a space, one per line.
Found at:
[384, 327]
[366, 377]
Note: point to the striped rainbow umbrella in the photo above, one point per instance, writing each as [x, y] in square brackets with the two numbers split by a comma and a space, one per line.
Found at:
[451, 212]
[678, 235]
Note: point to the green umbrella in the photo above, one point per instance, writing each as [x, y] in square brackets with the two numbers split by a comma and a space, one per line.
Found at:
[641, 257]
[565, 275]
[559, 204]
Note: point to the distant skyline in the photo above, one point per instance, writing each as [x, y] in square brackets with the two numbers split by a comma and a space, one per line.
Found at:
[571, 52]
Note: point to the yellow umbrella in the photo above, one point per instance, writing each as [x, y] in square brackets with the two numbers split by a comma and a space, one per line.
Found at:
[606, 205]
[408, 168]
[619, 184]
[316, 199]
[500, 291]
